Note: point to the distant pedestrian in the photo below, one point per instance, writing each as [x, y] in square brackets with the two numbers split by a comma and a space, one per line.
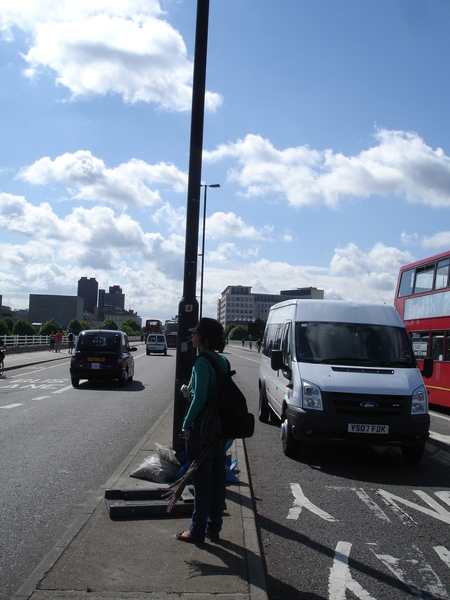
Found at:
[71, 341]
[2, 362]
[51, 341]
[251, 344]
[58, 340]
[258, 344]
[243, 342]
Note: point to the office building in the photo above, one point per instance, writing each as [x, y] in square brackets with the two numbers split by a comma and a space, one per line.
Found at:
[88, 290]
[45, 307]
[238, 305]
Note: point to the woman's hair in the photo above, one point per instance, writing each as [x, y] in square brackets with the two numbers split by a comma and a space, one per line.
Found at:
[213, 343]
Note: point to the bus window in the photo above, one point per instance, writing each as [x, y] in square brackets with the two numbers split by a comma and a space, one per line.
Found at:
[437, 345]
[406, 283]
[424, 279]
[419, 341]
[442, 274]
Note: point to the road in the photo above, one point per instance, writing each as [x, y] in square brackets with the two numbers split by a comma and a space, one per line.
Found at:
[59, 445]
[336, 523]
[342, 523]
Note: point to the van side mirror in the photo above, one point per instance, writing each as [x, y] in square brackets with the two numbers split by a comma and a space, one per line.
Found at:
[428, 367]
[276, 360]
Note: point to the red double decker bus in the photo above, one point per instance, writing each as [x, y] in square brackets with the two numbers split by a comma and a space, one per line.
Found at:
[153, 326]
[422, 298]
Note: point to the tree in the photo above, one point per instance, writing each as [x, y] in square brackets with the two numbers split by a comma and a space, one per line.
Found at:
[4, 329]
[256, 328]
[127, 329]
[227, 330]
[239, 332]
[9, 323]
[131, 324]
[75, 326]
[49, 326]
[108, 324]
[22, 327]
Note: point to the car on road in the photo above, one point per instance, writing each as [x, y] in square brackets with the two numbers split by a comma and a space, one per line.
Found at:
[102, 354]
[156, 343]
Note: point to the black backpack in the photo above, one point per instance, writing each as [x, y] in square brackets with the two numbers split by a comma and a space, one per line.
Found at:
[235, 419]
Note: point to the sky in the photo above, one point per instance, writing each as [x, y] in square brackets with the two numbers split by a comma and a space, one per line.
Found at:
[327, 126]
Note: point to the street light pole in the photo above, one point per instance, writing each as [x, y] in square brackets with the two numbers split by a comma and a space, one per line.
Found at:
[188, 306]
[206, 186]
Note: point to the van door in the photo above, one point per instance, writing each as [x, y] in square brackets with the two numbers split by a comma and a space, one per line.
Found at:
[283, 376]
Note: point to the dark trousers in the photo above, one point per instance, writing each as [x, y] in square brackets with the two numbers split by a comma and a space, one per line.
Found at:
[209, 487]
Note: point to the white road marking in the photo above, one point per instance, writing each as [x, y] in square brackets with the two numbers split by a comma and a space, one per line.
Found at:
[364, 496]
[440, 438]
[444, 554]
[439, 416]
[340, 579]
[436, 511]
[64, 389]
[11, 405]
[301, 501]
[408, 568]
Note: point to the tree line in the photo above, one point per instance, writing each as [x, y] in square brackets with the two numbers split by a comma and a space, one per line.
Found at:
[22, 327]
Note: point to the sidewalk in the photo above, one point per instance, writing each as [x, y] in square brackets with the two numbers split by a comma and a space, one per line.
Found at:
[100, 558]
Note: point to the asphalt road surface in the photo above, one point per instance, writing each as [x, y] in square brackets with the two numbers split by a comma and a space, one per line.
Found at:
[345, 522]
[60, 444]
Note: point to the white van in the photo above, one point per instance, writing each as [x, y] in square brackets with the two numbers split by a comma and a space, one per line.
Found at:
[156, 343]
[343, 371]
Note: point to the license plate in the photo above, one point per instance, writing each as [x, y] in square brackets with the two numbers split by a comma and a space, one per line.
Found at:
[367, 428]
[95, 366]
[96, 359]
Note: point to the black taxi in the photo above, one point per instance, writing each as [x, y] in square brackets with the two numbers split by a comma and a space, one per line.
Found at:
[102, 354]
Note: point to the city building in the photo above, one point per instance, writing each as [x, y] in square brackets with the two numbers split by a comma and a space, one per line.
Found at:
[88, 290]
[5, 311]
[238, 305]
[45, 307]
[114, 299]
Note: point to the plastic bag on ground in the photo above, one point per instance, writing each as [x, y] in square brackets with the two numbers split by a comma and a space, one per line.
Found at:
[160, 467]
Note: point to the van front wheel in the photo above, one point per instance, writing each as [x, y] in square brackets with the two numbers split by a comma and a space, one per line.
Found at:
[264, 410]
[290, 445]
[413, 454]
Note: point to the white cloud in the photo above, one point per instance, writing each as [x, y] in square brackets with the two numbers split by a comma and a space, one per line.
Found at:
[226, 225]
[101, 48]
[400, 164]
[86, 177]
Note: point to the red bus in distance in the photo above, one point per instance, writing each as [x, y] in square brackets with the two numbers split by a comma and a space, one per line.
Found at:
[153, 326]
[422, 298]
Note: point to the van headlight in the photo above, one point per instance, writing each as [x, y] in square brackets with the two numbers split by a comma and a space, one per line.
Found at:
[312, 397]
[419, 405]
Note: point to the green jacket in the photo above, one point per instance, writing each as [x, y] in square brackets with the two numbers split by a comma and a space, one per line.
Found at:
[203, 386]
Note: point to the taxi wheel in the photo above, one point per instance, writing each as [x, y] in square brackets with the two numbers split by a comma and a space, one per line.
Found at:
[75, 382]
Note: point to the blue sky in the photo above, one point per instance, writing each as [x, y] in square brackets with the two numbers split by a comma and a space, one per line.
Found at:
[327, 125]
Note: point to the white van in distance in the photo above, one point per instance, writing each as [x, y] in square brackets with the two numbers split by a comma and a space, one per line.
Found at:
[334, 371]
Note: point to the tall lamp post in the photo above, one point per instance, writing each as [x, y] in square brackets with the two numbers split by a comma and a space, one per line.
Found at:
[205, 186]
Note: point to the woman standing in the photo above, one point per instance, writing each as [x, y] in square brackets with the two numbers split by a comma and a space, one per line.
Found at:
[210, 478]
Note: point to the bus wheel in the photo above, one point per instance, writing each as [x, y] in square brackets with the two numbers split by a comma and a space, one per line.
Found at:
[264, 410]
[290, 445]
[413, 454]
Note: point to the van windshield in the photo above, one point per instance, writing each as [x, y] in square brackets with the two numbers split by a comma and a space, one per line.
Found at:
[353, 344]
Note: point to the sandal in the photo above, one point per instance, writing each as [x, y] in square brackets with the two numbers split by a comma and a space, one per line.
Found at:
[186, 536]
